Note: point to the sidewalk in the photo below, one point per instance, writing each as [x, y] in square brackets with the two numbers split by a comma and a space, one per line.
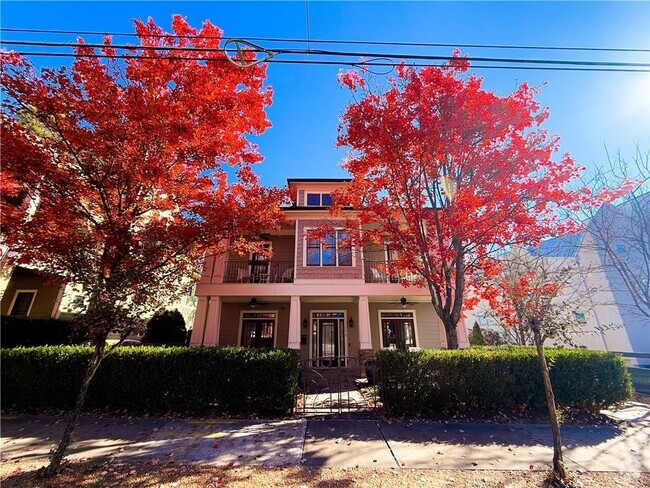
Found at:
[330, 443]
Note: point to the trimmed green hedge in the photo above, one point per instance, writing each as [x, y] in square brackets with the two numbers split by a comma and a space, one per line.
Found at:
[20, 331]
[153, 379]
[431, 381]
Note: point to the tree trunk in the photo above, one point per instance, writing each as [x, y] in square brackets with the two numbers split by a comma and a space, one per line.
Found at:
[451, 332]
[559, 470]
[57, 455]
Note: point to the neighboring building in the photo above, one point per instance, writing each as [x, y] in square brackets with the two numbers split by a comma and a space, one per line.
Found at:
[30, 293]
[322, 297]
[26, 292]
[610, 320]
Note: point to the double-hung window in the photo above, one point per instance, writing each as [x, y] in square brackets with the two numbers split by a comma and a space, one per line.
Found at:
[334, 249]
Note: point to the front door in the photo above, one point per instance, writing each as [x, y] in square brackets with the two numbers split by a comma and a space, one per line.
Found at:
[328, 338]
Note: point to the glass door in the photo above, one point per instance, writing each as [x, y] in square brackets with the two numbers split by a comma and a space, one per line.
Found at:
[398, 330]
[328, 338]
[258, 329]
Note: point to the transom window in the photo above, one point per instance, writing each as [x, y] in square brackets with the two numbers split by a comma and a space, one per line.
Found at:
[333, 250]
[319, 199]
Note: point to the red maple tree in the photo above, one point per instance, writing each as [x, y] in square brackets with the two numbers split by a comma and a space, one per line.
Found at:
[448, 172]
[138, 164]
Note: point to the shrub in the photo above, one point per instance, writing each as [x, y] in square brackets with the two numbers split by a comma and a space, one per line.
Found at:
[19, 331]
[166, 328]
[476, 336]
[153, 379]
[425, 382]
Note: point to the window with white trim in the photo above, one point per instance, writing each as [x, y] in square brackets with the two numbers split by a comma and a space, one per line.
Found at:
[334, 249]
[22, 305]
[319, 199]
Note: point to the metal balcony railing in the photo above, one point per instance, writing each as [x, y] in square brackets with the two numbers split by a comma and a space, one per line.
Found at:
[377, 272]
[258, 272]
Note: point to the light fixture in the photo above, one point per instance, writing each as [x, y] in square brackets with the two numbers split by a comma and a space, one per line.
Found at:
[305, 323]
[253, 302]
[351, 322]
[403, 302]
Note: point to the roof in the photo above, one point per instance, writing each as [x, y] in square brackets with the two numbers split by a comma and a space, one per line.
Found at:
[310, 207]
[559, 247]
[318, 180]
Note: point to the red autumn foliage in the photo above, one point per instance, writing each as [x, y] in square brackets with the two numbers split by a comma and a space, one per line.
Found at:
[450, 172]
[139, 166]
[131, 162]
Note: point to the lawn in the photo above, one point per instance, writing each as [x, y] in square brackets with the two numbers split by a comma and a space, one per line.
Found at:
[641, 380]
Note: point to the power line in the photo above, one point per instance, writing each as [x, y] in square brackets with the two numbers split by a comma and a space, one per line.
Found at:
[420, 57]
[335, 63]
[334, 41]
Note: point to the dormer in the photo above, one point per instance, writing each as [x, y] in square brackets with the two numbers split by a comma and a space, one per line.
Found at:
[315, 192]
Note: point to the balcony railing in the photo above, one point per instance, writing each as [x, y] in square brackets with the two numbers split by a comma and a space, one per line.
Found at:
[258, 272]
[377, 272]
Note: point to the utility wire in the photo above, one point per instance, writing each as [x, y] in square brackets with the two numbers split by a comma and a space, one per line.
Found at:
[342, 54]
[336, 63]
[334, 41]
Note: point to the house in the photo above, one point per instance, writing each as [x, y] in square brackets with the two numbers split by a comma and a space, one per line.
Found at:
[321, 297]
[28, 292]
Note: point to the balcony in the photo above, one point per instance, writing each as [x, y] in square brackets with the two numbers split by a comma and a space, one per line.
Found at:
[258, 272]
[377, 272]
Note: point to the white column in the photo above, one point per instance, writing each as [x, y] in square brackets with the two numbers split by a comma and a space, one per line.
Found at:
[365, 337]
[199, 322]
[213, 322]
[294, 323]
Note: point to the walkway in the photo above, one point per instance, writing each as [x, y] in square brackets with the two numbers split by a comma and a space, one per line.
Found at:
[340, 443]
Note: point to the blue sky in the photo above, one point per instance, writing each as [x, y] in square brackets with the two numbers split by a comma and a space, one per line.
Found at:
[588, 110]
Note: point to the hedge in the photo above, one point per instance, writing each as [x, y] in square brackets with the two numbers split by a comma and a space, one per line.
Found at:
[427, 382]
[19, 331]
[153, 379]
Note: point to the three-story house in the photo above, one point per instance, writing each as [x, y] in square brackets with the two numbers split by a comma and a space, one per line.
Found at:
[318, 295]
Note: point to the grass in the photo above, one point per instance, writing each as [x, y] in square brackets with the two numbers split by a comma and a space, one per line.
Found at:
[641, 380]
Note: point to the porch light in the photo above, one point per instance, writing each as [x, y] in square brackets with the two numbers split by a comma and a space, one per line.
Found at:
[403, 302]
[305, 323]
[253, 302]
[351, 322]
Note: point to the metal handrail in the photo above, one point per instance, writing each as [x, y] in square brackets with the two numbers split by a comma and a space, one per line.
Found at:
[259, 272]
[378, 272]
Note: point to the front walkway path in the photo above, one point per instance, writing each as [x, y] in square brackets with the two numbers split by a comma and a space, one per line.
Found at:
[340, 443]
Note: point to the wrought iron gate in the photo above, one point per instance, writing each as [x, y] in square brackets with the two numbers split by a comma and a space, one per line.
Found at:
[335, 386]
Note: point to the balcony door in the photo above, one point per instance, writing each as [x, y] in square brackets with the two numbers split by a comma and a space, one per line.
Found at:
[328, 338]
[259, 265]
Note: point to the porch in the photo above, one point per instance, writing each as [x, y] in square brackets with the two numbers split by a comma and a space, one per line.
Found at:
[322, 329]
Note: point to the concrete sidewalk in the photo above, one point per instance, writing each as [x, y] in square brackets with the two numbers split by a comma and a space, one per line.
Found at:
[331, 443]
